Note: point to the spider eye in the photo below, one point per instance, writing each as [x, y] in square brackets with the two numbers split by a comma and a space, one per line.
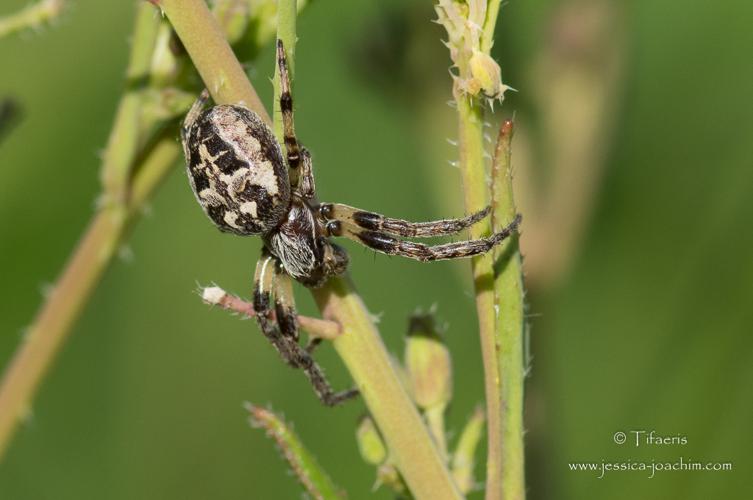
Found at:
[334, 228]
[326, 209]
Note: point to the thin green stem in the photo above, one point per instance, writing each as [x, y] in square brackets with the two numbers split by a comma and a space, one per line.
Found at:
[435, 420]
[360, 346]
[31, 17]
[463, 459]
[319, 328]
[487, 35]
[123, 142]
[286, 32]
[475, 187]
[88, 263]
[301, 461]
[509, 296]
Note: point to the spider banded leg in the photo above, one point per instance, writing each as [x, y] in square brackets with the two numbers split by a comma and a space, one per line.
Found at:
[371, 221]
[307, 188]
[287, 317]
[390, 245]
[301, 358]
[285, 311]
[292, 147]
[283, 334]
[263, 282]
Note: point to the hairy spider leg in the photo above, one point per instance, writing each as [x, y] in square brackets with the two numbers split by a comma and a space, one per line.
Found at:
[287, 319]
[262, 300]
[391, 245]
[271, 281]
[292, 147]
[191, 118]
[307, 188]
[398, 227]
[285, 311]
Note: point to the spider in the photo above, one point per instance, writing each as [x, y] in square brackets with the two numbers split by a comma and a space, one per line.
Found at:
[240, 178]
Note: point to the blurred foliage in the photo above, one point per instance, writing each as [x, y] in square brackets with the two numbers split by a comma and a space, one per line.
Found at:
[650, 329]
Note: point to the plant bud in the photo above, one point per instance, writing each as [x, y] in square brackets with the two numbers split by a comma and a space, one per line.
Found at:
[428, 362]
[370, 443]
[486, 75]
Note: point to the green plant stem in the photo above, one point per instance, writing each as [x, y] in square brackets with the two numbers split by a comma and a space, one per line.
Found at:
[475, 187]
[32, 16]
[487, 35]
[205, 42]
[123, 141]
[509, 296]
[301, 461]
[435, 420]
[360, 346]
[361, 349]
[50, 328]
[96, 250]
[286, 31]
[463, 459]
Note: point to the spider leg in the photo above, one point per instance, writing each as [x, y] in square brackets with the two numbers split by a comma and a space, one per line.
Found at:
[262, 299]
[374, 222]
[312, 344]
[292, 148]
[287, 317]
[301, 357]
[271, 281]
[391, 245]
[191, 117]
[307, 188]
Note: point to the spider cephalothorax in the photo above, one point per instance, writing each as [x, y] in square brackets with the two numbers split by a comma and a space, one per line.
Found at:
[244, 184]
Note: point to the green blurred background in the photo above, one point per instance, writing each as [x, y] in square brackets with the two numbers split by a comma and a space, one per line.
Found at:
[644, 323]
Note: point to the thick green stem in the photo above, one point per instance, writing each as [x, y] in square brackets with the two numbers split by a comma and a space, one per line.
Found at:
[361, 349]
[476, 190]
[508, 290]
[205, 42]
[360, 345]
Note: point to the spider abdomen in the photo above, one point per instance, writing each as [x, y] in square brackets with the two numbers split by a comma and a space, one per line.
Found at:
[236, 170]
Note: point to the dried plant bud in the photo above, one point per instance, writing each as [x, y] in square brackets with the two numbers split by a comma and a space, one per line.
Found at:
[370, 443]
[428, 362]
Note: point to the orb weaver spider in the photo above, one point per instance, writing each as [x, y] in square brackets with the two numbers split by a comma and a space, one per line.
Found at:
[244, 184]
